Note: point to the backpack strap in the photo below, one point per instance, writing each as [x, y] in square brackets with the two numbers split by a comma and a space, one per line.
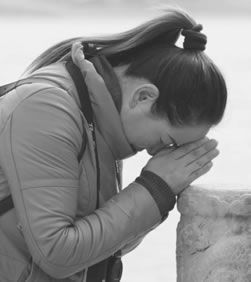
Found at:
[86, 109]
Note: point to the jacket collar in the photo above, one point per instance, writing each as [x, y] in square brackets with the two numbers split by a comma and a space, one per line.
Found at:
[106, 95]
[104, 68]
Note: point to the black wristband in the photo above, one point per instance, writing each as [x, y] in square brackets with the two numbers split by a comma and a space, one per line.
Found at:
[160, 191]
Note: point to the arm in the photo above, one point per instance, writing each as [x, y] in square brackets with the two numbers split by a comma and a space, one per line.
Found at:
[38, 153]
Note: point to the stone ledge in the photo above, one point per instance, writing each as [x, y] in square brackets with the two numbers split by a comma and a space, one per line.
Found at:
[214, 235]
[204, 201]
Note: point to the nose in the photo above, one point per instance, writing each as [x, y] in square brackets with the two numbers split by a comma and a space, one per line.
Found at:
[150, 152]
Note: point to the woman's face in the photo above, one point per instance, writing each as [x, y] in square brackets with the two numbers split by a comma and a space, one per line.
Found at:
[152, 134]
[146, 131]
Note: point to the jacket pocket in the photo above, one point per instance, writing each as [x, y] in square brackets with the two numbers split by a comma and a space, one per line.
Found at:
[35, 274]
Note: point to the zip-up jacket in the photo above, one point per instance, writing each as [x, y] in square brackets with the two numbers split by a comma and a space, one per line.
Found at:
[55, 231]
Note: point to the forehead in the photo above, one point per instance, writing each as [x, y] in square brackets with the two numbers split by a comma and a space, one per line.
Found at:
[187, 134]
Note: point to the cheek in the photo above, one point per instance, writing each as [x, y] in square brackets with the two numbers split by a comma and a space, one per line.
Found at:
[149, 138]
[142, 137]
[140, 131]
[134, 132]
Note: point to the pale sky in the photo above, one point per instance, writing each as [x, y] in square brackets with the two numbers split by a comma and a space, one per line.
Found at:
[123, 7]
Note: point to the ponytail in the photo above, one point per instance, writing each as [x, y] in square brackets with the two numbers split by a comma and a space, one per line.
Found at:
[192, 88]
[162, 30]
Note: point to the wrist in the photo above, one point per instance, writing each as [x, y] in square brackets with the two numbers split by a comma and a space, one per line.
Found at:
[159, 190]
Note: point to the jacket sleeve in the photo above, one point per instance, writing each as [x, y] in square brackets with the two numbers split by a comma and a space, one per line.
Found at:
[38, 154]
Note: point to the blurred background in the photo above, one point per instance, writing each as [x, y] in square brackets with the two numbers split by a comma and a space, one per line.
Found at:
[28, 27]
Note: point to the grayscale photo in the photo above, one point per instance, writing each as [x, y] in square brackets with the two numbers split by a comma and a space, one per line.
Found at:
[125, 141]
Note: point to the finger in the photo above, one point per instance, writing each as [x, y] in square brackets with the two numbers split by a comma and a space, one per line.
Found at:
[162, 151]
[199, 172]
[180, 151]
[184, 149]
[206, 149]
[197, 148]
[203, 160]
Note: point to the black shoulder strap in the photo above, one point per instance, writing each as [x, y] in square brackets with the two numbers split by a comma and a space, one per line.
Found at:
[81, 87]
[86, 109]
[84, 98]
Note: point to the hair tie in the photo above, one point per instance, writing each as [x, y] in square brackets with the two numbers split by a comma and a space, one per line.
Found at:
[194, 39]
[90, 49]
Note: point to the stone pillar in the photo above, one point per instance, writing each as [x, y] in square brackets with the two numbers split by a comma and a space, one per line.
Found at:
[214, 235]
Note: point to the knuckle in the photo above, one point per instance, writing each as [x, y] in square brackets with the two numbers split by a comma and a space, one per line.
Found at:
[212, 154]
[196, 153]
[207, 158]
[208, 146]
[199, 162]
[187, 148]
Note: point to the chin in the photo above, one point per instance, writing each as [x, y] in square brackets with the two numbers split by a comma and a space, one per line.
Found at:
[138, 149]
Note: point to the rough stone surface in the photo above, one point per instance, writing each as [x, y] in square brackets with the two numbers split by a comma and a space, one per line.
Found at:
[214, 235]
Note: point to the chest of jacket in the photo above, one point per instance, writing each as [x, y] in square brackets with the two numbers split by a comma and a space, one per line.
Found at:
[88, 175]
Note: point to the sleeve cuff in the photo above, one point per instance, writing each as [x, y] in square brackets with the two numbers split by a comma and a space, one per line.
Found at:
[160, 191]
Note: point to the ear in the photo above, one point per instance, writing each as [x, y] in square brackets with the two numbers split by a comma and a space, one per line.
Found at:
[145, 94]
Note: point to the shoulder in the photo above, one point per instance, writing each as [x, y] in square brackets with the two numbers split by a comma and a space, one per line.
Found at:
[44, 93]
[44, 104]
[54, 104]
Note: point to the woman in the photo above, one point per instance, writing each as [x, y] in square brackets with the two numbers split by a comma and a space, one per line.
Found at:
[70, 222]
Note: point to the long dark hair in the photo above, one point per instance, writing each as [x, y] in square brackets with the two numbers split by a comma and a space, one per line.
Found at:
[192, 88]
